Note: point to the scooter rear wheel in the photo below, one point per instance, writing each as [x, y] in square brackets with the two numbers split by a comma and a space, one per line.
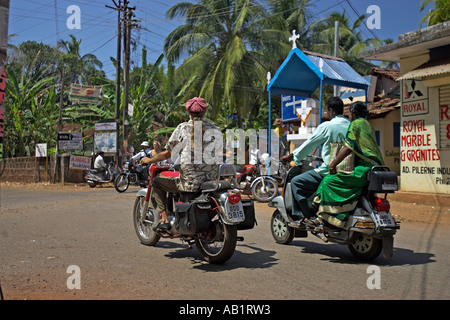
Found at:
[364, 247]
[281, 232]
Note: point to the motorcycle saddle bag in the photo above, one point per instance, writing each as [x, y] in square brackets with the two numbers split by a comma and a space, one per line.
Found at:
[192, 217]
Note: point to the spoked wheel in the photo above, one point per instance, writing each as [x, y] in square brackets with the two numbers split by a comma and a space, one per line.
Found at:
[365, 248]
[265, 190]
[121, 183]
[220, 250]
[144, 227]
[281, 232]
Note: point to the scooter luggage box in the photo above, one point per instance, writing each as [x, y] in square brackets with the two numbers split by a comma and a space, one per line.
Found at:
[382, 181]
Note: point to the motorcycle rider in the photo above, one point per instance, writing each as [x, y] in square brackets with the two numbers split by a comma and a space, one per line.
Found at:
[145, 152]
[192, 173]
[100, 165]
[305, 184]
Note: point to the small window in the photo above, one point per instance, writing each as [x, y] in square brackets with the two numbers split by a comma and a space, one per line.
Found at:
[396, 135]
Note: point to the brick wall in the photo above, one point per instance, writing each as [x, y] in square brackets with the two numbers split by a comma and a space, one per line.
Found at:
[31, 169]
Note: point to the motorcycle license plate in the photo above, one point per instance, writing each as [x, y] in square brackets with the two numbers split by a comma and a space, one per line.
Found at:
[234, 212]
[384, 219]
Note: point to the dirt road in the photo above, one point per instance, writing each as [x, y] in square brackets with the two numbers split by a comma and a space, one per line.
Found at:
[46, 229]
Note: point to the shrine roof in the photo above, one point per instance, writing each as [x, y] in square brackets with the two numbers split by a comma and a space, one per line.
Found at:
[301, 73]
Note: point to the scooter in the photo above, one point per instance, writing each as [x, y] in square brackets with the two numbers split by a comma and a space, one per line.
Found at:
[95, 177]
[369, 229]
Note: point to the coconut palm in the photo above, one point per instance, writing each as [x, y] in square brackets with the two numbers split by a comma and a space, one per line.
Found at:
[77, 66]
[439, 13]
[224, 42]
[351, 40]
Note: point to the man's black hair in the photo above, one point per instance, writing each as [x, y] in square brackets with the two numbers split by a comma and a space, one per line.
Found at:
[336, 104]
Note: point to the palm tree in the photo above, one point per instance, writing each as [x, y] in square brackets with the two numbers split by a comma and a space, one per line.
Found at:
[351, 41]
[78, 67]
[289, 15]
[224, 41]
[439, 13]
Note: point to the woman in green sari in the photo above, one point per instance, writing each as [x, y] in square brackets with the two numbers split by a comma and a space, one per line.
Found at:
[339, 192]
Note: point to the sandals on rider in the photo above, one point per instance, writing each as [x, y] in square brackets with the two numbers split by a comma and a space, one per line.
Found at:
[162, 226]
[297, 224]
[315, 223]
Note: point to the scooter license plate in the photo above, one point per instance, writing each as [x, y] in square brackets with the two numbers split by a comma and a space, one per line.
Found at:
[385, 219]
[234, 212]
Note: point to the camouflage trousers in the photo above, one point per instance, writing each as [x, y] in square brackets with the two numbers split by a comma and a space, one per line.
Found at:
[160, 186]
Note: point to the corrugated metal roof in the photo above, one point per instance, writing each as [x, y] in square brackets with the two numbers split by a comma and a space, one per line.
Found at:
[426, 72]
[301, 73]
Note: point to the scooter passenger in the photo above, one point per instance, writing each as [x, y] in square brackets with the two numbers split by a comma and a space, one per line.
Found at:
[305, 184]
[346, 189]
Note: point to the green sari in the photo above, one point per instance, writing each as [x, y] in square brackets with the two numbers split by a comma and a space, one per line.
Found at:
[339, 193]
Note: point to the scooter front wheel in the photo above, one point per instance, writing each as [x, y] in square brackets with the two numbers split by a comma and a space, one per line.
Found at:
[121, 182]
[281, 232]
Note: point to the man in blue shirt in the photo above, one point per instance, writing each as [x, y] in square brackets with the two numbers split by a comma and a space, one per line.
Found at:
[305, 184]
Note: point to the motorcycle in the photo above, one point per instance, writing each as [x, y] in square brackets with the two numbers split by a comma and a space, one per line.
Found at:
[253, 180]
[210, 217]
[132, 174]
[370, 228]
[95, 177]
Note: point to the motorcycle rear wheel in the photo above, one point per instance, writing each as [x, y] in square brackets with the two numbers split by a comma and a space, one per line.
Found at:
[281, 232]
[144, 228]
[218, 252]
[364, 247]
[265, 191]
[121, 183]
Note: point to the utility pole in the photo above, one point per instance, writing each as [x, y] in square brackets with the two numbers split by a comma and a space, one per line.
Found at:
[118, 60]
[4, 18]
[128, 25]
[336, 50]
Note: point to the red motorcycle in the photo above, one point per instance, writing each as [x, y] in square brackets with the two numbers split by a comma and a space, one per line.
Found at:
[209, 217]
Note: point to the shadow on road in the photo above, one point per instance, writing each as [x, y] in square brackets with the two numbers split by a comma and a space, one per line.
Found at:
[257, 259]
[338, 253]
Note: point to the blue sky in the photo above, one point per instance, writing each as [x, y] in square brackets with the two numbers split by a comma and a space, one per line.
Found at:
[42, 21]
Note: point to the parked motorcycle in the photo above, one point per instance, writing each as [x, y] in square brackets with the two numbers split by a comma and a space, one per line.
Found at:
[95, 177]
[254, 181]
[132, 174]
[210, 217]
[369, 229]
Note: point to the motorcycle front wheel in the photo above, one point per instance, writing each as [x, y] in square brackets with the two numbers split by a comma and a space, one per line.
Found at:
[281, 232]
[144, 227]
[265, 190]
[219, 251]
[121, 183]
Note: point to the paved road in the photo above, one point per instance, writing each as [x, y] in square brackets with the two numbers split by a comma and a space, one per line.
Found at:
[45, 230]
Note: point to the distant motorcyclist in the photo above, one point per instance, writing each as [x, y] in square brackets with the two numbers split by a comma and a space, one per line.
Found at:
[100, 165]
[145, 152]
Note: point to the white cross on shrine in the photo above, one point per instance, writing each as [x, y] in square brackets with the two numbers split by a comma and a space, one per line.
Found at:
[293, 38]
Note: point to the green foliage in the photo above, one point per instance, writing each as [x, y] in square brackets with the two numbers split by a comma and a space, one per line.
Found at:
[438, 14]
